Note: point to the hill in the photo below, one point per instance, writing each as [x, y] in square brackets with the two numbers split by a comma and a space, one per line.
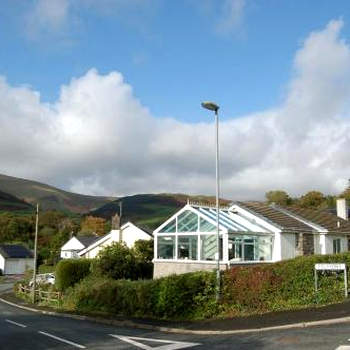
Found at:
[50, 197]
[149, 210]
[12, 203]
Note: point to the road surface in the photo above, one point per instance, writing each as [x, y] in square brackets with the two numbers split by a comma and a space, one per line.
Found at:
[22, 329]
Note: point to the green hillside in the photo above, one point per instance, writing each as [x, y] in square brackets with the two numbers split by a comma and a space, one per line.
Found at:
[149, 210]
[12, 203]
[49, 197]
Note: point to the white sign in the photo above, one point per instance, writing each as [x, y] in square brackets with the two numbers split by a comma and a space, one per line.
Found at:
[166, 344]
[334, 267]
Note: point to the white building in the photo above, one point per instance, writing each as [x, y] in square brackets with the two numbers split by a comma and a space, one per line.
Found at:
[15, 259]
[128, 233]
[71, 248]
[250, 233]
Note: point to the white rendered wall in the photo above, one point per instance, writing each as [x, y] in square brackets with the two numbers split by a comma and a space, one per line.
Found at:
[277, 248]
[329, 244]
[2, 264]
[131, 234]
[287, 246]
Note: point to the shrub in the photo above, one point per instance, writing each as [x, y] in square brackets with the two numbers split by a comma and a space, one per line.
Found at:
[117, 261]
[71, 271]
[190, 295]
[46, 268]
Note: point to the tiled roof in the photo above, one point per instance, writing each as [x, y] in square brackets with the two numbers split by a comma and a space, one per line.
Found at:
[322, 218]
[291, 218]
[15, 251]
[275, 216]
[87, 240]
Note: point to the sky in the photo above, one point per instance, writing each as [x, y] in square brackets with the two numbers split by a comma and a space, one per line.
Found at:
[103, 97]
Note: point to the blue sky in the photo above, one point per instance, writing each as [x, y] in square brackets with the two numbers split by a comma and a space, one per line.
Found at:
[170, 52]
[103, 97]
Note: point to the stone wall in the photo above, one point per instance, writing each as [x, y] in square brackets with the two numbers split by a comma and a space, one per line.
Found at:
[304, 244]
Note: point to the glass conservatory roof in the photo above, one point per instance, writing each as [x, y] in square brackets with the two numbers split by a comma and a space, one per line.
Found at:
[203, 219]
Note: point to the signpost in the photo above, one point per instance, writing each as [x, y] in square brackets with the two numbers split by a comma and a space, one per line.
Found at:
[332, 267]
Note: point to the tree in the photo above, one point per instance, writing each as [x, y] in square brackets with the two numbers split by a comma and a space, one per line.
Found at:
[278, 197]
[313, 199]
[92, 224]
[116, 261]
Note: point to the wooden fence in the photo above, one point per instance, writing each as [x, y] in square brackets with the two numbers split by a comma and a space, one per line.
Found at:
[41, 295]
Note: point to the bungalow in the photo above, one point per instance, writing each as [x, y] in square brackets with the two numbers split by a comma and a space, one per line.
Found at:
[128, 233]
[15, 259]
[89, 246]
[71, 248]
[249, 233]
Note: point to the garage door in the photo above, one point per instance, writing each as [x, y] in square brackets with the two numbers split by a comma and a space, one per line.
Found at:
[15, 266]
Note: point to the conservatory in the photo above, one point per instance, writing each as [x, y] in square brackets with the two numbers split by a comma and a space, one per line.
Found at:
[188, 240]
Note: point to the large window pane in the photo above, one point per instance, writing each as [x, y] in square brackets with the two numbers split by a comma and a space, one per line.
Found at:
[250, 248]
[171, 227]
[187, 247]
[208, 247]
[206, 226]
[166, 247]
[187, 222]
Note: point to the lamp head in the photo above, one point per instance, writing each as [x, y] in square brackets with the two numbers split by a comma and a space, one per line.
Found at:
[210, 105]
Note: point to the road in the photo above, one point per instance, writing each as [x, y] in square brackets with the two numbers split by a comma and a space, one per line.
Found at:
[22, 329]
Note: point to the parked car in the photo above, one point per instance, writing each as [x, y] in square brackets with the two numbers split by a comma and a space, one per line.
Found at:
[45, 278]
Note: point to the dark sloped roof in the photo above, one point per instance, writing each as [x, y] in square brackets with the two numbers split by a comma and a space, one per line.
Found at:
[87, 240]
[322, 218]
[283, 217]
[275, 216]
[15, 251]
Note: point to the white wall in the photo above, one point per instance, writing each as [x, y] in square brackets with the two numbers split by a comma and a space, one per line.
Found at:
[329, 243]
[287, 246]
[130, 234]
[2, 264]
[72, 244]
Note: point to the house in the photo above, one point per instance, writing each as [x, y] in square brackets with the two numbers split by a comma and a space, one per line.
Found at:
[71, 248]
[249, 233]
[128, 233]
[89, 246]
[15, 259]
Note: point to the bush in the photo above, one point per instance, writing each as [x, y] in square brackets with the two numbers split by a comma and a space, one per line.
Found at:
[71, 271]
[46, 268]
[284, 285]
[190, 295]
[117, 261]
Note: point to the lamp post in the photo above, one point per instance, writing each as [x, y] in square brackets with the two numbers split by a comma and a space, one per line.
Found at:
[35, 251]
[214, 107]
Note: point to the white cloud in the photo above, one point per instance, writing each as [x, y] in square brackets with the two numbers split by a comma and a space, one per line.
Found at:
[47, 17]
[99, 139]
[231, 15]
[227, 15]
[60, 18]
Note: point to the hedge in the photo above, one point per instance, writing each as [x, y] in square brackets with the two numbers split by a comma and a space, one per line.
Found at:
[184, 296]
[70, 271]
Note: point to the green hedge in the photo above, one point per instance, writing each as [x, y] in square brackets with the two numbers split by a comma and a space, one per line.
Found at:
[184, 296]
[246, 290]
[70, 271]
[284, 285]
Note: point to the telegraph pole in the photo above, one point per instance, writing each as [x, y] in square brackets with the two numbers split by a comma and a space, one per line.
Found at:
[35, 250]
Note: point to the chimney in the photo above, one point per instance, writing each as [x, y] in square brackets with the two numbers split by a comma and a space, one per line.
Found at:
[342, 208]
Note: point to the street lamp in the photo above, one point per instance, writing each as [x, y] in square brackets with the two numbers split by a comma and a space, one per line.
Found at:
[214, 107]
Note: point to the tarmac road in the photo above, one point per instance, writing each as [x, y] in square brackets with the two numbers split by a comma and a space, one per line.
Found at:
[22, 329]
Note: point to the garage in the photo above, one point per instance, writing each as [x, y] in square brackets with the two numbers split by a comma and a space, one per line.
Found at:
[15, 259]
